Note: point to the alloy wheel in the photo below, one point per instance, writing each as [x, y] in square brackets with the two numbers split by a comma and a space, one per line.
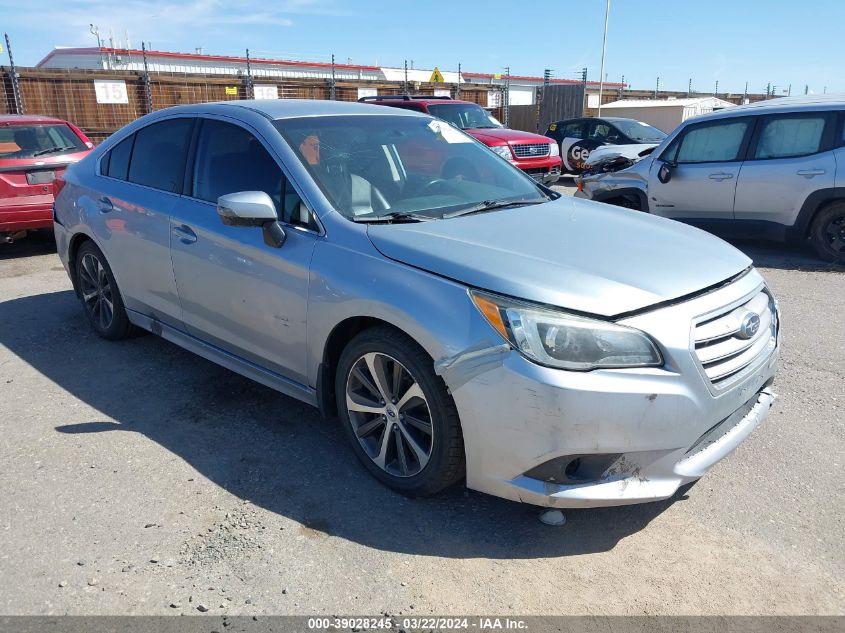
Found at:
[389, 414]
[96, 291]
[834, 232]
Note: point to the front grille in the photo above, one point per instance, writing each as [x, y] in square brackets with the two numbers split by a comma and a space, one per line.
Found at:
[725, 350]
[531, 150]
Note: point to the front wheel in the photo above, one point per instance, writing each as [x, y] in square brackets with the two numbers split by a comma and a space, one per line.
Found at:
[828, 232]
[399, 417]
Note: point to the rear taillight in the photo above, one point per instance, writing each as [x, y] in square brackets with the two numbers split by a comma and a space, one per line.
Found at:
[58, 185]
[579, 184]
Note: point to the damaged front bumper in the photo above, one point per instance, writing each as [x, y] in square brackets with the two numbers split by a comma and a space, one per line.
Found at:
[607, 437]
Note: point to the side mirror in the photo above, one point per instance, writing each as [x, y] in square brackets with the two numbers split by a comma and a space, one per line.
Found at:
[246, 208]
[664, 175]
[252, 208]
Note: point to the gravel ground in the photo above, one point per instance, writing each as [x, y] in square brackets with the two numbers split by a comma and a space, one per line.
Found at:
[139, 479]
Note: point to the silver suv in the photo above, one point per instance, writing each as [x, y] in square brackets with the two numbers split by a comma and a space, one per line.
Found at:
[458, 318]
[773, 169]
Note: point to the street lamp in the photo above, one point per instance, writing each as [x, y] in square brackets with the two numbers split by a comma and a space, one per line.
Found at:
[603, 49]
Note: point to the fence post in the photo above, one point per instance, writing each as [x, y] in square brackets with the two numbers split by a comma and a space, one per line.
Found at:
[458, 87]
[16, 88]
[506, 97]
[250, 94]
[148, 91]
[332, 85]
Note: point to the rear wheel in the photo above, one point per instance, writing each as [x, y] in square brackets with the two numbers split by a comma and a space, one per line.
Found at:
[100, 296]
[397, 414]
[828, 232]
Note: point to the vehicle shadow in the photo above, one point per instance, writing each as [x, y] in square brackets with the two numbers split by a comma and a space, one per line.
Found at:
[277, 452]
[785, 256]
[35, 243]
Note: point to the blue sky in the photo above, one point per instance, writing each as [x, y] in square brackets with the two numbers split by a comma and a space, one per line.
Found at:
[732, 41]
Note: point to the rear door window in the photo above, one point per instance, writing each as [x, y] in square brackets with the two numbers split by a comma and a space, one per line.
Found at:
[573, 130]
[158, 156]
[788, 136]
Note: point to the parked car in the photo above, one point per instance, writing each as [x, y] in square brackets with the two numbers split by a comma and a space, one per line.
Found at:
[584, 141]
[552, 351]
[772, 170]
[532, 153]
[34, 150]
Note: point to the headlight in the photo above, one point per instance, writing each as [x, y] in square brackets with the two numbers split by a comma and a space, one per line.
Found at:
[557, 339]
[554, 149]
[504, 151]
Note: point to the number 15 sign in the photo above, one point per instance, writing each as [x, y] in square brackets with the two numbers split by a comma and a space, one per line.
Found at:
[111, 92]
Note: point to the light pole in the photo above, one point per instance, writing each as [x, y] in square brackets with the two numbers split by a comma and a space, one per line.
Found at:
[603, 49]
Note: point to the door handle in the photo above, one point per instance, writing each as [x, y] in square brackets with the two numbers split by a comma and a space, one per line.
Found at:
[185, 234]
[105, 205]
[721, 176]
[809, 173]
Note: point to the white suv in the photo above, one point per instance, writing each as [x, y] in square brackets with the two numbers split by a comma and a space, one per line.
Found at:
[773, 169]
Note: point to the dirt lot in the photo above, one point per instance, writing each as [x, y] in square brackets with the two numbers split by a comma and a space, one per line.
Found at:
[139, 479]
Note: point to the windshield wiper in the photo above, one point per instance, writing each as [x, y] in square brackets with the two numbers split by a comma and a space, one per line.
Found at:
[489, 205]
[50, 150]
[394, 216]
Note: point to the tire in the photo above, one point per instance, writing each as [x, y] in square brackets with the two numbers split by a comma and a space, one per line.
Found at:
[102, 303]
[394, 454]
[827, 232]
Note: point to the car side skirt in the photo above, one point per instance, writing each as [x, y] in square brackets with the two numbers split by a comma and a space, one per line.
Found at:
[226, 359]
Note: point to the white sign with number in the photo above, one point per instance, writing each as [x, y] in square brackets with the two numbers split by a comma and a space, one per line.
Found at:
[494, 99]
[111, 92]
[265, 92]
[367, 92]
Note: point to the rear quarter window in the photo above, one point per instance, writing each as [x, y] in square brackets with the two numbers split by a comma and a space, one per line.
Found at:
[115, 164]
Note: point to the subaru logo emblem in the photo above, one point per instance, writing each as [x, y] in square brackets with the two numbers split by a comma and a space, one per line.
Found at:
[750, 325]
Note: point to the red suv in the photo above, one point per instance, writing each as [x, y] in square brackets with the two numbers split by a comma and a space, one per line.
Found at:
[538, 156]
[34, 151]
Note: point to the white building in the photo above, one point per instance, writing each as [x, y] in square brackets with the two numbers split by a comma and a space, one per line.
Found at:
[664, 114]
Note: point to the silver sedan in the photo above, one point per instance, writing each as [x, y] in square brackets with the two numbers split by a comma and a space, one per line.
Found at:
[461, 321]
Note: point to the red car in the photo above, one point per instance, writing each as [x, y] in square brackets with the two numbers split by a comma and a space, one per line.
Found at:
[34, 151]
[538, 156]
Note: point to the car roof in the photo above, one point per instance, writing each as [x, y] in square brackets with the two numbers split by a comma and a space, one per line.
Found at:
[291, 108]
[779, 105]
[419, 99]
[22, 119]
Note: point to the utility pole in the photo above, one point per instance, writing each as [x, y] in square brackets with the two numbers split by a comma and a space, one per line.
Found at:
[250, 92]
[657, 88]
[689, 87]
[603, 50]
[806, 88]
[789, 91]
[745, 94]
[405, 88]
[332, 90]
[584, 75]
[16, 89]
[148, 92]
[717, 88]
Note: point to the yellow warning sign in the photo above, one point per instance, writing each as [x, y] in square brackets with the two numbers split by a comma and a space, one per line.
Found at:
[231, 90]
[436, 76]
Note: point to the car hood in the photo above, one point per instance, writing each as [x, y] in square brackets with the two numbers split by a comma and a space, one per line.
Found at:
[575, 254]
[502, 134]
[628, 151]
